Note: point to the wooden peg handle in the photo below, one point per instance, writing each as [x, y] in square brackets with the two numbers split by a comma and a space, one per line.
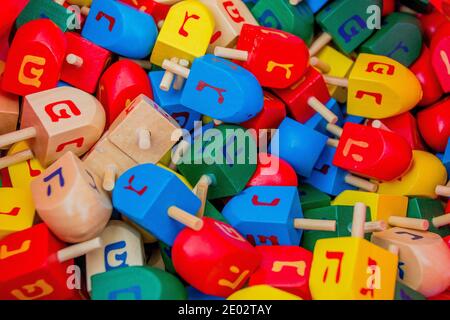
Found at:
[320, 64]
[185, 218]
[379, 125]
[319, 43]
[441, 221]
[168, 77]
[359, 220]
[333, 143]
[201, 191]
[334, 129]
[109, 178]
[321, 109]
[233, 54]
[16, 158]
[60, 2]
[375, 226]
[179, 81]
[85, 10]
[79, 249]
[176, 68]
[336, 81]
[144, 138]
[16, 136]
[315, 224]
[294, 2]
[360, 183]
[75, 60]
[443, 191]
[409, 223]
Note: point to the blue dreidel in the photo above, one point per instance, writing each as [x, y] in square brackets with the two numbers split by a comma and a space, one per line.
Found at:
[299, 145]
[271, 216]
[219, 89]
[120, 28]
[157, 200]
[170, 102]
[333, 180]
[319, 123]
[194, 294]
[315, 5]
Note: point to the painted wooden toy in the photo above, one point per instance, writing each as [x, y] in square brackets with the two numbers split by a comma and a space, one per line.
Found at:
[272, 171]
[320, 124]
[440, 55]
[194, 294]
[424, 258]
[403, 292]
[121, 247]
[22, 173]
[57, 194]
[431, 22]
[271, 216]
[56, 121]
[311, 197]
[352, 268]
[219, 88]
[442, 5]
[262, 292]
[137, 283]
[10, 11]
[373, 153]
[434, 124]
[36, 265]
[230, 17]
[315, 5]
[114, 26]
[284, 267]
[158, 9]
[9, 112]
[35, 58]
[379, 87]
[228, 259]
[433, 211]
[16, 210]
[279, 68]
[84, 63]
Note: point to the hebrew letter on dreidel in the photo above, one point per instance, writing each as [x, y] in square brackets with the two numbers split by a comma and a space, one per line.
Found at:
[377, 96]
[379, 67]
[268, 19]
[256, 202]
[33, 172]
[281, 34]
[131, 188]
[114, 259]
[353, 31]
[78, 142]
[229, 231]
[202, 85]
[233, 12]
[4, 253]
[111, 20]
[348, 146]
[33, 76]
[335, 256]
[57, 172]
[182, 30]
[13, 212]
[300, 266]
[235, 283]
[33, 291]
[135, 291]
[445, 60]
[287, 67]
[63, 106]
[413, 236]
[400, 46]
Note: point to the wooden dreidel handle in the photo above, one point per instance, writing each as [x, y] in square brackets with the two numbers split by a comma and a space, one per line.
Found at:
[201, 191]
[359, 220]
[319, 43]
[14, 137]
[361, 183]
[166, 81]
[336, 81]
[319, 64]
[109, 178]
[334, 129]
[375, 226]
[295, 2]
[79, 249]
[315, 224]
[16, 158]
[185, 218]
[229, 53]
[321, 109]
[144, 138]
[175, 68]
[443, 191]
[441, 221]
[75, 60]
[409, 223]
[380, 125]
[179, 81]
[333, 143]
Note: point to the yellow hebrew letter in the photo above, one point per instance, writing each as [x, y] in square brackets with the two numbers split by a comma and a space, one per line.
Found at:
[33, 291]
[36, 72]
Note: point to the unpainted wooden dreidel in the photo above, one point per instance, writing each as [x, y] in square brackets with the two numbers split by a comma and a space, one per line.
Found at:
[434, 124]
[278, 59]
[400, 38]
[22, 173]
[35, 58]
[433, 211]
[379, 87]
[424, 258]
[273, 171]
[219, 88]
[114, 25]
[122, 247]
[119, 85]
[352, 268]
[56, 121]
[229, 259]
[440, 55]
[230, 17]
[382, 206]
[137, 283]
[281, 15]
[230, 168]
[9, 111]
[9, 14]
[84, 63]
[16, 210]
[424, 72]
[346, 23]
[373, 153]
[141, 194]
[284, 267]
[271, 216]
[426, 173]
[35, 265]
[58, 193]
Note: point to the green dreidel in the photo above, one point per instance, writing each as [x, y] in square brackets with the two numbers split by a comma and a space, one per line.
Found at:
[311, 198]
[431, 210]
[224, 156]
[403, 292]
[166, 254]
[400, 38]
[137, 283]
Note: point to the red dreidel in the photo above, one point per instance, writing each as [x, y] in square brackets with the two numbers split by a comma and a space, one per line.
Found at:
[35, 265]
[228, 260]
[157, 9]
[434, 124]
[273, 171]
[35, 58]
[373, 153]
[56, 121]
[278, 59]
[121, 83]
[379, 87]
[431, 22]
[440, 55]
[9, 13]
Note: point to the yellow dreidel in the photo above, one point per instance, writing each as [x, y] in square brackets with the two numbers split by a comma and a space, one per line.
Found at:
[262, 292]
[379, 87]
[352, 268]
[424, 258]
[425, 178]
[184, 36]
[22, 173]
[382, 206]
[16, 210]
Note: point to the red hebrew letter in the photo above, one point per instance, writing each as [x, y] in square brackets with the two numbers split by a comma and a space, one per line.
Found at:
[380, 69]
[263, 240]
[202, 85]
[377, 96]
[183, 31]
[110, 19]
[78, 142]
[33, 172]
[273, 203]
[65, 106]
[13, 212]
[215, 37]
[234, 13]
[131, 188]
[335, 256]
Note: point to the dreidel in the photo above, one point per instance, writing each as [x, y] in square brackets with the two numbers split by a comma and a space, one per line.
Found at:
[142, 133]
[35, 58]
[9, 111]
[278, 59]
[142, 194]
[122, 246]
[379, 87]
[16, 210]
[114, 25]
[262, 292]
[434, 124]
[21, 174]
[273, 171]
[38, 266]
[433, 211]
[56, 121]
[424, 258]
[157, 9]
[9, 14]
[272, 216]
[440, 55]
[229, 259]
[119, 85]
[352, 268]
[219, 89]
[373, 153]
[58, 193]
